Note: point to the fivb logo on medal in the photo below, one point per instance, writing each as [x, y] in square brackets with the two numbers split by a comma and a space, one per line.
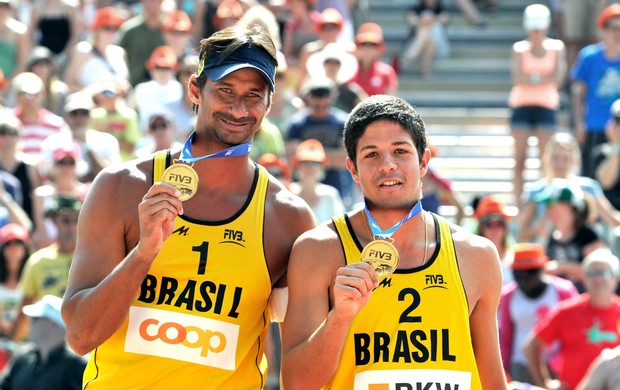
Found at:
[182, 337]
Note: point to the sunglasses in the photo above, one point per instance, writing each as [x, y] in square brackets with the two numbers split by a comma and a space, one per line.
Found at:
[27, 95]
[368, 44]
[525, 273]
[41, 62]
[108, 93]
[494, 224]
[158, 126]
[109, 28]
[331, 61]
[65, 162]
[329, 26]
[14, 242]
[8, 133]
[605, 274]
[612, 27]
[320, 93]
[79, 112]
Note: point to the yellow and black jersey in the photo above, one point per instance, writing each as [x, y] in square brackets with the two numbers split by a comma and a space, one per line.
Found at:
[414, 333]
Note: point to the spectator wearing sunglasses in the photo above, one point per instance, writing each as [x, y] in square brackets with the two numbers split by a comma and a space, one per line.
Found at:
[583, 326]
[524, 303]
[177, 33]
[114, 116]
[38, 122]
[98, 149]
[320, 120]
[47, 269]
[160, 135]
[41, 61]
[374, 76]
[14, 251]
[572, 236]
[163, 88]
[63, 180]
[98, 58]
[493, 217]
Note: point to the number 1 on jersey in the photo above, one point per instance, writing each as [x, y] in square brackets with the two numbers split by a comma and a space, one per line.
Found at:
[203, 249]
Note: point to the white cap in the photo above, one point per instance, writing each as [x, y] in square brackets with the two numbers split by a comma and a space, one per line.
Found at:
[536, 17]
[47, 307]
[27, 82]
[348, 62]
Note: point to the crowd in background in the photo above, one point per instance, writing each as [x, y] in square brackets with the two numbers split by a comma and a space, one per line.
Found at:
[86, 85]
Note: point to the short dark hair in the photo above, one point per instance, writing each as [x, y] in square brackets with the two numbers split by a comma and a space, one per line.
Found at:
[383, 107]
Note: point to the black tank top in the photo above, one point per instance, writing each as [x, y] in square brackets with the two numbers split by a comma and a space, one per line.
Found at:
[55, 32]
[21, 173]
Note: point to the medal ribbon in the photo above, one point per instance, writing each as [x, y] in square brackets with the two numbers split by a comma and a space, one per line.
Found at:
[234, 151]
[386, 234]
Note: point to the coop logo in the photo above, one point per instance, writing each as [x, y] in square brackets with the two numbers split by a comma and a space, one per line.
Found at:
[413, 380]
[182, 337]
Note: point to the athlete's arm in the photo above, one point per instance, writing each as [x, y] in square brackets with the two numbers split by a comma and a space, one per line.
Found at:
[312, 334]
[482, 277]
[104, 277]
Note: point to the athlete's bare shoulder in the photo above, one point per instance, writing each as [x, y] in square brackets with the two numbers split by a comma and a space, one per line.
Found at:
[126, 180]
[322, 243]
[286, 217]
[287, 209]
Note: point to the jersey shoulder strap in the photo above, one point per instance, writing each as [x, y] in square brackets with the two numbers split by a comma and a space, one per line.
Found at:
[161, 161]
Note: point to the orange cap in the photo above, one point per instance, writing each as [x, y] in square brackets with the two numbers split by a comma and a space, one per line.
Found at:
[163, 57]
[609, 12]
[107, 16]
[329, 16]
[275, 165]
[369, 32]
[310, 150]
[228, 9]
[528, 255]
[490, 205]
[177, 21]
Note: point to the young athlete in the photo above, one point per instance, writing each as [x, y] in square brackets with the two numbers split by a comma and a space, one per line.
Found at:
[430, 323]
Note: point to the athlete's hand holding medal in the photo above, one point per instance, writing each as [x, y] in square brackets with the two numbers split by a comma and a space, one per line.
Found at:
[157, 217]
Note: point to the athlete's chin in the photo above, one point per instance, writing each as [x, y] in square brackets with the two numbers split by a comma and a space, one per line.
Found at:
[235, 139]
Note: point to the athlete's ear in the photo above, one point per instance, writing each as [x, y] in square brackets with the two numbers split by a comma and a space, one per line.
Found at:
[193, 90]
[426, 158]
[353, 170]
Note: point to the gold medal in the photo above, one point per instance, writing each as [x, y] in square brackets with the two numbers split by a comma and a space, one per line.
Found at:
[182, 177]
[382, 256]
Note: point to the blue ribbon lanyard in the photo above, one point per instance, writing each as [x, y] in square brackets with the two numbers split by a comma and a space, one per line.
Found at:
[234, 151]
[386, 234]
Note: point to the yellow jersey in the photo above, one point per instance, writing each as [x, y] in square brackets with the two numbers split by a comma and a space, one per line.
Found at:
[414, 333]
[201, 315]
